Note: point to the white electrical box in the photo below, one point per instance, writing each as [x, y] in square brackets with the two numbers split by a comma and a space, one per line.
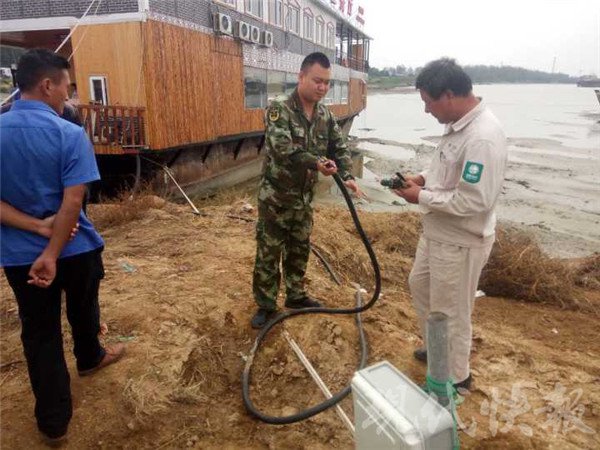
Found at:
[392, 412]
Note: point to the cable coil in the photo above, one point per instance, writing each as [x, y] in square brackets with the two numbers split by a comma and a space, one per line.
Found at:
[314, 410]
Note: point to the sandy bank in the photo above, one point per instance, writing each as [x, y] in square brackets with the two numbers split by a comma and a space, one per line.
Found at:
[550, 189]
[178, 291]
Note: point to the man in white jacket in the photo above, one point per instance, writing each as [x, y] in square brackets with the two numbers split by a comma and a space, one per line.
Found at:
[457, 196]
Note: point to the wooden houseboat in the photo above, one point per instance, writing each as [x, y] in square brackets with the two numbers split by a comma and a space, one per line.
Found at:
[184, 84]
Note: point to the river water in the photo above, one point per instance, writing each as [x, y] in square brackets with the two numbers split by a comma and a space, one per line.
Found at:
[553, 180]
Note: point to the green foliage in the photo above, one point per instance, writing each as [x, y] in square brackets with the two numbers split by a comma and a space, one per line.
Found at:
[510, 74]
[390, 77]
[386, 82]
[6, 85]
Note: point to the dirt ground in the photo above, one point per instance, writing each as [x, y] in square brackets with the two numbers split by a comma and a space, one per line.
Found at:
[178, 291]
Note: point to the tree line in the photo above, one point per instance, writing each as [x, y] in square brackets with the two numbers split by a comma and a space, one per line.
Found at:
[402, 75]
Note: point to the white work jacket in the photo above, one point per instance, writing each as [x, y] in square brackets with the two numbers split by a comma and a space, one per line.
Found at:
[464, 180]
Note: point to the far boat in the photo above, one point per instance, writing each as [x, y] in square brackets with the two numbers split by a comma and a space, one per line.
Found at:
[588, 81]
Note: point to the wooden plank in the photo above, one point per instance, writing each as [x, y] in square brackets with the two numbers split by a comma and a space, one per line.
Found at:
[180, 82]
[200, 95]
[232, 116]
[355, 99]
[340, 111]
[114, 51]
[112, 127]
[108, 150]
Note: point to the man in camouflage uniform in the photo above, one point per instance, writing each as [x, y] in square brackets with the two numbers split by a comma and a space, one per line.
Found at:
[301, 135]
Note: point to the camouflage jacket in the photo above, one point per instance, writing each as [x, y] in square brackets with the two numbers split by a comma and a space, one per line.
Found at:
[293, 145]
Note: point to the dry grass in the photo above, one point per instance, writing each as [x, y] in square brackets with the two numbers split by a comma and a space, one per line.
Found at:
[518, 268]
[126, 208]
[155, 391]
[587, 272]
[393, 237]
[146, 397]
[246, 192]
[204, 366]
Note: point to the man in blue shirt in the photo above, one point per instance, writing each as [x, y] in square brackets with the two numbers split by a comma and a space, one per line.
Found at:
[45, 162]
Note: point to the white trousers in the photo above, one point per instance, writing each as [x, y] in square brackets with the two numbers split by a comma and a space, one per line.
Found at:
[444, 279]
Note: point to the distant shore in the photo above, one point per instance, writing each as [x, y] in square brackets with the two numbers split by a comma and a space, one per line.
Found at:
[391, 90]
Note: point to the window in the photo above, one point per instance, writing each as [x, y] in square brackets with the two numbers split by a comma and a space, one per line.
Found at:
[291, 81]
[232, 3]
[320, 31]
[255, 88]
[337, 94]
[98, 90]
[329, 100]
[275, 84]
[293, 18]
[330, 36]
[276, 12]
[254, 7]
[344, 93]
[309, 25]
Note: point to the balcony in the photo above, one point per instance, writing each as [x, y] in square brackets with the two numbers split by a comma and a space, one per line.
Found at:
[114, 129]
[362, 65]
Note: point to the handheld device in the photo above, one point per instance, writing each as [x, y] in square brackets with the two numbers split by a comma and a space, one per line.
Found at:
[395, 182]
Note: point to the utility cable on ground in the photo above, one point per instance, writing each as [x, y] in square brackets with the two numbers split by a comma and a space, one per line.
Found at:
[336, 398]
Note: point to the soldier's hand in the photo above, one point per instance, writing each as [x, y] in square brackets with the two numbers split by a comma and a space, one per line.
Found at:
[353, 186]
[327, 167]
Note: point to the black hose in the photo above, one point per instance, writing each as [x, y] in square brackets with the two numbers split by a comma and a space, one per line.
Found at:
[305, 414]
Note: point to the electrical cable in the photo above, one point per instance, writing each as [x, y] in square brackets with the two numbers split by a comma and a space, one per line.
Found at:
[305, 414]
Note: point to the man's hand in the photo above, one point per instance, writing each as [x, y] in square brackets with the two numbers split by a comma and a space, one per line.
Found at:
[43, 271]
[327, 167]
[353, 186]
[410, 193]
[417, 179]
[45, 228]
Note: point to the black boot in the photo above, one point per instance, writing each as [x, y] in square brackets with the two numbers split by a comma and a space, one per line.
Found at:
[306, 302]
[261, 317]
[465, 384]
[420, 354]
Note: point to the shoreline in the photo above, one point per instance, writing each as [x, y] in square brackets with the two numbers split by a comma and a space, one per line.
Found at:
[392, 90]
[558, 205]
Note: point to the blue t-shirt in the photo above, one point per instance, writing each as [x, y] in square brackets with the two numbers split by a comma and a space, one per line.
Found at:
[41, 155]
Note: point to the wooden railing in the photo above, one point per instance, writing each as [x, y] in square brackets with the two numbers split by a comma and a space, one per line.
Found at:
[115, 126]
[353, 63]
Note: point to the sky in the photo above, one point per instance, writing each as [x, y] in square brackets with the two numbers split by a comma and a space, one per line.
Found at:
[525, 33]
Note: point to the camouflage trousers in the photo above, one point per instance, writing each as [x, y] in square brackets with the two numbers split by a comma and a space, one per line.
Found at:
[282, 235]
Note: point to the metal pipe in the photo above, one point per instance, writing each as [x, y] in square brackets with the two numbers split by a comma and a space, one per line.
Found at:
[437, 353]
[315, 376]
[168, 172]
